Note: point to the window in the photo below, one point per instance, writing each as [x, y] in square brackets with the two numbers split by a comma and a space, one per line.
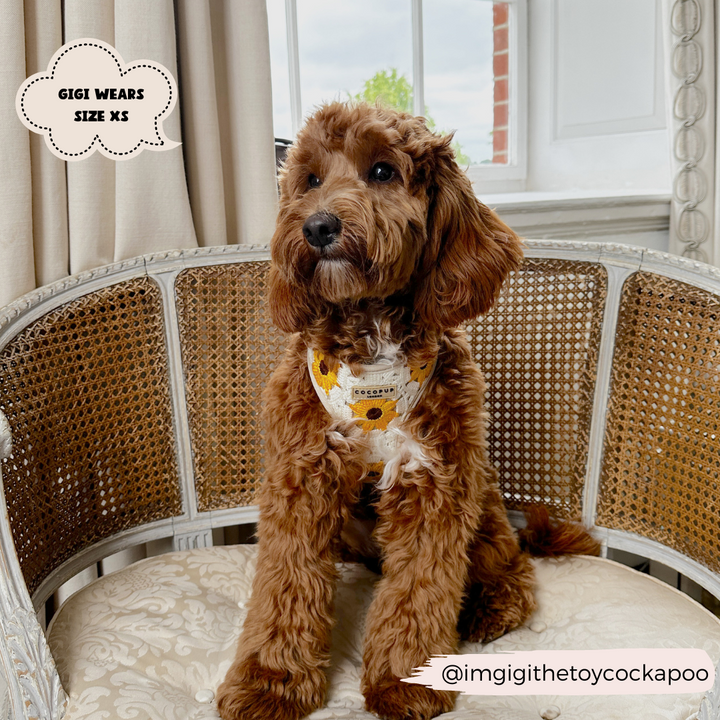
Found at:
[458, 62]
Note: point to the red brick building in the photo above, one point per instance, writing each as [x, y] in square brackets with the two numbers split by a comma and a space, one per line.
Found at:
[501, 74]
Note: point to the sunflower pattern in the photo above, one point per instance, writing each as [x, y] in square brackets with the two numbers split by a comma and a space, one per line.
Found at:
[324, 370]
[421, 373]
[374, 414]
[378, 399]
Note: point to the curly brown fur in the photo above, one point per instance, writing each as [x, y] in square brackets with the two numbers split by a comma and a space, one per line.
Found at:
[410, 258]
[544, 536]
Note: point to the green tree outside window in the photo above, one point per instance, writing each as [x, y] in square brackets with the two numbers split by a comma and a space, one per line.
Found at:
[395, 91]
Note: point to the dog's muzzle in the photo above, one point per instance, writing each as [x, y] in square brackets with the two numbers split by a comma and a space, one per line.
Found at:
[322, 229]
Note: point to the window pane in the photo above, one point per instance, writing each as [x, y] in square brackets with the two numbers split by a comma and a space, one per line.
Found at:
[282, 121]
[345, 43]
[363, 49]
[459, 44]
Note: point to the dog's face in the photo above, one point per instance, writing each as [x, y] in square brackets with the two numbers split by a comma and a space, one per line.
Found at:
[373, 205]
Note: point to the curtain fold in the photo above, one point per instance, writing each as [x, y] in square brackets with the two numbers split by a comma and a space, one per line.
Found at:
[202, 148]
[43, 36]
[151, 196]
[245, 116]
[90, 182]
[227, 112]
[17, 258]
[218, 187]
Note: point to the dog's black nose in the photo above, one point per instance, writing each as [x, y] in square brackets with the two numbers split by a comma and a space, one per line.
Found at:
[321, 229]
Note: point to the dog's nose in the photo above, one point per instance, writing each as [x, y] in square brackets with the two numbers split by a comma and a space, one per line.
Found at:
[321, 229]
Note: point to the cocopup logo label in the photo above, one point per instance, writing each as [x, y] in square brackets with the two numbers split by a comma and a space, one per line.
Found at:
[89, 99]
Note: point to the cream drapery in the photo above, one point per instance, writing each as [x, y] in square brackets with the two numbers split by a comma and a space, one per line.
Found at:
[218, 187]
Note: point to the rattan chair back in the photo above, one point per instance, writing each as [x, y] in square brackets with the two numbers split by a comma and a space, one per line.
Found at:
[133, 398]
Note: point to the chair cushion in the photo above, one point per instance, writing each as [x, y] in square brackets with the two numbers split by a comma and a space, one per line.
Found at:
[155, 639]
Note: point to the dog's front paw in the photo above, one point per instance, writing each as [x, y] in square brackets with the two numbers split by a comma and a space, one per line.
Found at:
[392, 699]
[243, 703]
[253, 692]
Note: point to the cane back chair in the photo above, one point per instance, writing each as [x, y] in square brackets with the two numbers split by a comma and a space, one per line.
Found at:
[129, 406]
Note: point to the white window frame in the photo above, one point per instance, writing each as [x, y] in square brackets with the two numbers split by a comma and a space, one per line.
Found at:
[488, 177]
[511, 176]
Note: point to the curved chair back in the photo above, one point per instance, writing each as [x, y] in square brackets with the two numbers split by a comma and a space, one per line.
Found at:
[132, 397]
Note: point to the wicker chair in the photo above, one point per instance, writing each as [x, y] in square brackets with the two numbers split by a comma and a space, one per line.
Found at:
[129, 401]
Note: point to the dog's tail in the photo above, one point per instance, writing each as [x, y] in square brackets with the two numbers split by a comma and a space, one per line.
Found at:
[544, 536]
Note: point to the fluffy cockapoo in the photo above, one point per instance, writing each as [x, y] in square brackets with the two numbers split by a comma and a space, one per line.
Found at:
[375, 422]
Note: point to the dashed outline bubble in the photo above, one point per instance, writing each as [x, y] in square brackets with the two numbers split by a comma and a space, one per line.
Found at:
[97, 142]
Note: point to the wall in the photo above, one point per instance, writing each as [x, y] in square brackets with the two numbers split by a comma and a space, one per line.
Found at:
[596, 96]
[598, 147]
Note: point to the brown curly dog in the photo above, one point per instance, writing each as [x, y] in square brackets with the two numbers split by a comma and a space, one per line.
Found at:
[375, 420]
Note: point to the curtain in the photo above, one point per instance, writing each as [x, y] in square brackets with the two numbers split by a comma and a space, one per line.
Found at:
[217, 188]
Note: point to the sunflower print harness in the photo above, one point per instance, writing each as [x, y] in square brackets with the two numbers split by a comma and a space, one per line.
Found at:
[379, 400]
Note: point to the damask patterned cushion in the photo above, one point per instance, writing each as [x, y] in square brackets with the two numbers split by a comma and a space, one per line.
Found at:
[153, 641]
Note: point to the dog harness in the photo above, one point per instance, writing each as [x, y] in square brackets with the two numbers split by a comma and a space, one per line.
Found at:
[379, 399]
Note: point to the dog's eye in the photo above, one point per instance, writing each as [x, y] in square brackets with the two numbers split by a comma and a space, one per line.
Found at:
[382, 172]
[314, 181]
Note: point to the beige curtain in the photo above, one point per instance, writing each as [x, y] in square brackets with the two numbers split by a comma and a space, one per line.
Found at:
[217, 188]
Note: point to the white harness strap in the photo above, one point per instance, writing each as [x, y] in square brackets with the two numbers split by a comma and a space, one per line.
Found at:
[379, 399]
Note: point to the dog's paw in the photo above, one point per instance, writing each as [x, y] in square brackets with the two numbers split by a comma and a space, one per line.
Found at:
[253, 692]
[482, 629]
[392, 699]
[252, 704]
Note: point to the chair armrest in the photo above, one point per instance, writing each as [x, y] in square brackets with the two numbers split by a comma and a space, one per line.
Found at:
[29, 680]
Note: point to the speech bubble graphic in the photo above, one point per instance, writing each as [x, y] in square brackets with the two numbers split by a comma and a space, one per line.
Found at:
[89, 99]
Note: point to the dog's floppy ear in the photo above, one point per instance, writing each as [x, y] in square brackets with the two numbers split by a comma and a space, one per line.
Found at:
[288, 304]
[469, 251]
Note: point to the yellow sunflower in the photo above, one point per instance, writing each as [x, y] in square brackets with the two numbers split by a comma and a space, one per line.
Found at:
[374, 414]
[325, 371]
[420, 374]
